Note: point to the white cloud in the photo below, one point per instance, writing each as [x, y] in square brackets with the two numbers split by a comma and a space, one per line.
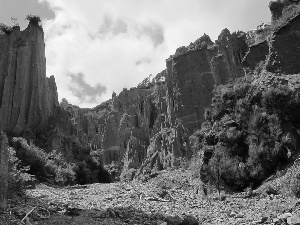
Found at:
[117, 43]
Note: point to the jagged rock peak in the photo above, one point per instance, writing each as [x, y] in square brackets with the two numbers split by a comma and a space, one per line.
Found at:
[202, 42]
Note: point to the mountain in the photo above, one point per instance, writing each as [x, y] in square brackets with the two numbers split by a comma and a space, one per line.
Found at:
[144, 129]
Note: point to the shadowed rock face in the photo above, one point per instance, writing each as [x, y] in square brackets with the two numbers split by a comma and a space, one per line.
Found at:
[27, 97]
[194, 70]
[284, 48]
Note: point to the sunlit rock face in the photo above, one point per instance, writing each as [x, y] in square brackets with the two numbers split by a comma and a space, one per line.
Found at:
[194, 70]
[27, 97]
[144, 129]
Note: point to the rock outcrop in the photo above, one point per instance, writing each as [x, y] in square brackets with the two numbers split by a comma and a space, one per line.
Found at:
[27, 97]
[284, 48]
[3, 170]
[277, 7]
[146, 129]
[143, 129]
[194, 70]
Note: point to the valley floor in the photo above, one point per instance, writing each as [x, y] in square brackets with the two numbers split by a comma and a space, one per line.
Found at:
[160, 200]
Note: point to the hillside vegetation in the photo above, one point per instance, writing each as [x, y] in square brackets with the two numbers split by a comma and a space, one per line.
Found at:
[249, 134]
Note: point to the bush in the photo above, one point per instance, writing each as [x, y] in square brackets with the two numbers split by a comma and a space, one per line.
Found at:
[65, 176]
[34, 19]
[18, 178]
[250, 134]
[6, 28]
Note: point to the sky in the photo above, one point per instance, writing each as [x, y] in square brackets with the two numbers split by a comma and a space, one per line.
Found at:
[95, 47]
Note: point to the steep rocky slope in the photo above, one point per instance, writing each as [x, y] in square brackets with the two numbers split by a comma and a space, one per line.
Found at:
[27, 97]
[147, 128]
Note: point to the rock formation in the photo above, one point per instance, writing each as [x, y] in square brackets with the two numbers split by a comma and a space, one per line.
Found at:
[27, 97]
[194, 70]
[3, 170]
[277, 7]
[284, 49]
[146, 128]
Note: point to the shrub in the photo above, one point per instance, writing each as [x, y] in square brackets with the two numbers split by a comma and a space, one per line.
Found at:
[6, 28]
[18, 178]
[249, 135]
[65, 176]
[34, 19]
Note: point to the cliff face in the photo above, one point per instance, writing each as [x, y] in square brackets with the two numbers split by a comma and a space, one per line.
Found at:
[27, 97]
[277, 7]
[284, 49]
[146, 129]
[194, 70]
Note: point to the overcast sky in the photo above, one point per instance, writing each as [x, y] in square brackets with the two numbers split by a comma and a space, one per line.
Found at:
[95, 47]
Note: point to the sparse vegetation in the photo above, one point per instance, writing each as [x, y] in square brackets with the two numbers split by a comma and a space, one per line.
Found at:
[288, 13]
[6, 28]
[34, 19]
[53, 167]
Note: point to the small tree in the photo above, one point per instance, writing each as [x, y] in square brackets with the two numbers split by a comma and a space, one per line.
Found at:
[34, 19]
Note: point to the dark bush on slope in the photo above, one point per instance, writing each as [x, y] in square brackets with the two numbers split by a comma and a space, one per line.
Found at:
[248, 134]
[54, 167]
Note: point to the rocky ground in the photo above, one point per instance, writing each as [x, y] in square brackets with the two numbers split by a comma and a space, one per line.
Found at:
[170, 198]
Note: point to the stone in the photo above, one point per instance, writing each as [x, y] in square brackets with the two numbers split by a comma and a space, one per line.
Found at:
[293, 220]
[264, 219]
[189, 220]
[232, 214]
[285, 216]
[3, 170]
[173, 220]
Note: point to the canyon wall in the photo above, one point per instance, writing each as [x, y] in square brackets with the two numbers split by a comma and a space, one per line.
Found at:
[146, 128]
[27, 97]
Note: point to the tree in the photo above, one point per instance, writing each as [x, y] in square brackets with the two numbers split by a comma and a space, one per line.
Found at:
[3, 170]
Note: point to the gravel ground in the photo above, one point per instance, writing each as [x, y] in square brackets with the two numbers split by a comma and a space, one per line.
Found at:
[170, 195]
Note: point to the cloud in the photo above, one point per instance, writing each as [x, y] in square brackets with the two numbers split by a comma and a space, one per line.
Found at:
[118, 43]
[84, 91]
[141, 61]
[21, 8]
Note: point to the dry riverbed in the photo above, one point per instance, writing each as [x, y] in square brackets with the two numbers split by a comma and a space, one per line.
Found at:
[170, 198]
